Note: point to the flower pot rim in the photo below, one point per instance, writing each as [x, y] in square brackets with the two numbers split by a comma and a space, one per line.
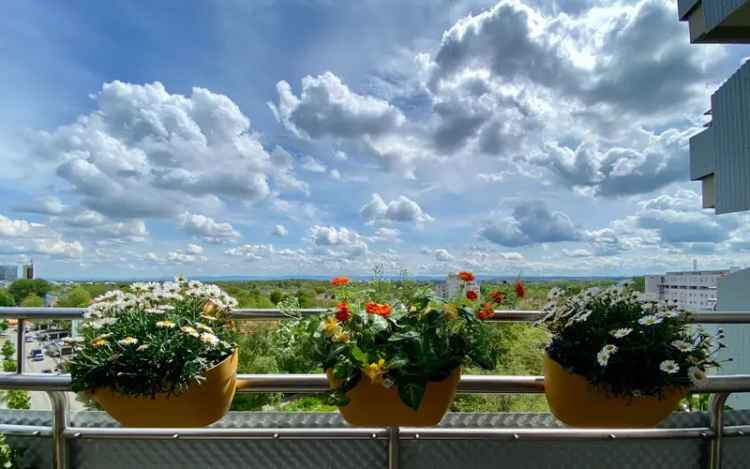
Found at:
[235, 351]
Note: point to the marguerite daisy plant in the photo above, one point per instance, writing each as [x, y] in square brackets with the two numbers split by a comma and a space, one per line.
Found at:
[152, 338]
[624, 344]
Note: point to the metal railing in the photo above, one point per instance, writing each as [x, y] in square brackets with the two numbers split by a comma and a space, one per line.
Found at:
[56, 385]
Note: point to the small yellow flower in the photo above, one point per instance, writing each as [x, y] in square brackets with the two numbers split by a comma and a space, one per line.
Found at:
[128, 341]
[451, 312]
[375, 371]
[340, 336]
[329, 326]
[96, 343]
[166, 324]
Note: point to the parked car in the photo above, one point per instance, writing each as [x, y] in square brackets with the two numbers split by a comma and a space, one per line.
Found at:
[28, 338]
[35, 352]
[37, 358]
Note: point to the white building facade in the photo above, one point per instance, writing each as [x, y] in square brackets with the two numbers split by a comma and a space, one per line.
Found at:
[454, 287]
[693, 291]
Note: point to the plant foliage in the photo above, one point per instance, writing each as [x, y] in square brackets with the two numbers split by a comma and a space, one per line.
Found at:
[624, 344]
[154, 338]
[398, 336]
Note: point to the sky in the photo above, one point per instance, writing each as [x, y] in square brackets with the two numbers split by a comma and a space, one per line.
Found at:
[316, 137]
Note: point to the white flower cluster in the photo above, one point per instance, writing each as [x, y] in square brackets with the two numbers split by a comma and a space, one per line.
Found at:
[155, 298]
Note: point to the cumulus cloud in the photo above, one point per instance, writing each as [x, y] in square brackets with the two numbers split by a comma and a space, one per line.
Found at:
[338, 241]
[207, 228]
[531, 223]
[280, 230]
[442, 255]
[327, 107]
[13, 228]
[147, 153]
[400, 210]
[386, 235]
[44, 205]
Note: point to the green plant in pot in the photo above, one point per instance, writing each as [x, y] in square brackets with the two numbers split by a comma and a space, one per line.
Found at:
[393, 355]
[617, 360]
[158, 354]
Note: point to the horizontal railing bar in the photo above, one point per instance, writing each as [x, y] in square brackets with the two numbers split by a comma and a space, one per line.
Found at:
[316, 383]
[353, 433]
[737, 430]
[724, 317]
[343, 433]
[25, 430]
[552, 433]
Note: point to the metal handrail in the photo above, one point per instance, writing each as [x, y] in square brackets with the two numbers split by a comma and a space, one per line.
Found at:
[61, 431]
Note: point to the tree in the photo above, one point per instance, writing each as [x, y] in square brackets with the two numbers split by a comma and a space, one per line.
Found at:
[32, 301]
[77, 297]
[17, 399]
[22, 288]
[6, 299]
[9, 366]
[276, 296]
[8, 350]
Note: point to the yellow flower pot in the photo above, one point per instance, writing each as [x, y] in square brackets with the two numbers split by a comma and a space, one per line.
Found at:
[372, 405]
[578, 403]
[200, 405]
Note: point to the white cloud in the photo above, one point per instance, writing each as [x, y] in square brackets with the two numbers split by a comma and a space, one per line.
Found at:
[338, 241]
[45, 205]
[13, 228]
[531, 223]
[207, 228]
[386, 235]
[280, 230]
[443, 255]
[314, 166]
[194, 249]
[402, 210]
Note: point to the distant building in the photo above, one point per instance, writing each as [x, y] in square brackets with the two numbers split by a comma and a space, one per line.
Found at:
[8, 273]
[693, 291]
[50, 300]
[27, 271]
[454, 287]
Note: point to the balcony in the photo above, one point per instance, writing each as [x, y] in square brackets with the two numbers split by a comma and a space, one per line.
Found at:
[716, 21]
[59, 439]
[720, 155]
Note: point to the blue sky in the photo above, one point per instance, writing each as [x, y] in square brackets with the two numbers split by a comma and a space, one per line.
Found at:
[318, 137]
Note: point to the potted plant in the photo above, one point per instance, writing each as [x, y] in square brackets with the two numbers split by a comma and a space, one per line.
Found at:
[618, 361]
[158, 354]
[393, 353]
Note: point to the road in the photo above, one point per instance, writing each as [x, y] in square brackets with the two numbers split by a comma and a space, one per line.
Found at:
[39, 400]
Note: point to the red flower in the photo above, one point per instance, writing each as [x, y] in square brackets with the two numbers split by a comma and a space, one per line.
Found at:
[379, 309]
[340, 281]
[497, 297]
[472, 295]
[520, 289]
[342, 312]
[486, 312]
[466, 276]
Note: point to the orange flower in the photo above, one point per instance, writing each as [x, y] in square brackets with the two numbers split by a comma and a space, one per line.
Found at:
[466, 276]
[340, 281]
[472, 295]
[342, 312]
[520, 289]
[486, 312]
[497, 297]
[379, 309]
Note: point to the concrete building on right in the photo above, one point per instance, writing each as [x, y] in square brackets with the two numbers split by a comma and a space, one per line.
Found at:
[720, 159]
[720, 155]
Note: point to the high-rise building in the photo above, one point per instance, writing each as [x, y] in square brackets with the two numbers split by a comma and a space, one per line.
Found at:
[693, 291]
[8, 273]
[720, 155]
[27, 271]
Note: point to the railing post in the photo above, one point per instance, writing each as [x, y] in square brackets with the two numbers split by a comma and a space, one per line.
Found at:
[19, 345]
[60, 421]
[716, 414]
[394, 441]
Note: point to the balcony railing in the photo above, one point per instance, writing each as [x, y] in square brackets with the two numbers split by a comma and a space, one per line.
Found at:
[61, 432]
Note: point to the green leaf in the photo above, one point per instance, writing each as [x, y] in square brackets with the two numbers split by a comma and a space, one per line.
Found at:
[378, 323]
[411, 394]
[359, 355]
[410, 335]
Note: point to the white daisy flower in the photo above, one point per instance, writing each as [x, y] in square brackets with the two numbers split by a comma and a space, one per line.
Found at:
[620, 333]
[208, 338]
[682, 346]
[650, 320]
[603, 356]
[669, 366]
